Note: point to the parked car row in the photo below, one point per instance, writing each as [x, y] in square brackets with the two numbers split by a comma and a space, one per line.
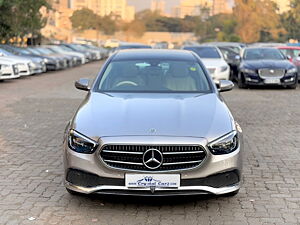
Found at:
[253, 65]
[16, 61]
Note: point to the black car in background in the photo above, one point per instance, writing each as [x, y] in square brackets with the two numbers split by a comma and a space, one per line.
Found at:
[266, 66]
[233, 60]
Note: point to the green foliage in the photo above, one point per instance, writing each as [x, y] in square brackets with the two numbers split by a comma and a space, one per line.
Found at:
[220, 27]
[19, 18]
[257, 20]
[85, 19]
[291, 20]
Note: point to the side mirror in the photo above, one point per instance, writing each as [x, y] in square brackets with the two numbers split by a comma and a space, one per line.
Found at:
[289, 57]
[83, 84]
[1, 54]
[224, 85]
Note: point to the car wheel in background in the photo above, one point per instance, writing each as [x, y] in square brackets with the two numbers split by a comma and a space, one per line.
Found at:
[294, 86]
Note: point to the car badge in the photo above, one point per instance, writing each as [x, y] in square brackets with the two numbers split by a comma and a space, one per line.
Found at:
[272, 71]
[152, 130]
[152, 158]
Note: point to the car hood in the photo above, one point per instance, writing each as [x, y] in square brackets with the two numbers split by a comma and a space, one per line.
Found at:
[17, 59]
[213, 63]
[185, 115]
[270, 64]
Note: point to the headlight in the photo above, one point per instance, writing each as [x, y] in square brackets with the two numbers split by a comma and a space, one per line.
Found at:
[248, 71]
[46, 60]
[80, 143]
[224, 68]
[31, 64]
[225, 144]
[293, 70]
[5, 66]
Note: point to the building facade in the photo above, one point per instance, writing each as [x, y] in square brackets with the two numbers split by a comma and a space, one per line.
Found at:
[283, 5]
[190, 8]
[106, 7]
[158, 6]
[220, 6]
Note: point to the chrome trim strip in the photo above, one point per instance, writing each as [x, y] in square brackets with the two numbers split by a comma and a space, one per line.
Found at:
[123, 162]
[89, 190]
[122, 152]
[175, 153]
[187, 162]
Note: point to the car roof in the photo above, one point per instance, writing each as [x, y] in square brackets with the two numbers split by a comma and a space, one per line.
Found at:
[289, 47]
[138, 54]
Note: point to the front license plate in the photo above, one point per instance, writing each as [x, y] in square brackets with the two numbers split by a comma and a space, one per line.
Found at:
[272, 81]
[152, 180]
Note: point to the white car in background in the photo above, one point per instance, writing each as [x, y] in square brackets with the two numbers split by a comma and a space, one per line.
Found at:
[26, 66]
[213, 60]
[9, 70]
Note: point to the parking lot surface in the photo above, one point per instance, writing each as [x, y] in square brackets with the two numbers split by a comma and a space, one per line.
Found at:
[35, 110]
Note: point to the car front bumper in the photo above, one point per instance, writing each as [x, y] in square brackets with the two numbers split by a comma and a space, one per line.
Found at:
[217, 75]
[253, 79]
[217, 174]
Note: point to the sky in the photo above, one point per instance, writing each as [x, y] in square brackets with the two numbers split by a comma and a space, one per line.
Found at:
[144, 4]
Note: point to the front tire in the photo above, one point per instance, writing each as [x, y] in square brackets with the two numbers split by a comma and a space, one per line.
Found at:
[294, 86]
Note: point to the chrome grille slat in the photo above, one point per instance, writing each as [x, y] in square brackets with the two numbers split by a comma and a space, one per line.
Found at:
[271, 73]
[175, 153]
[122, 152]
[122, 162]
[174, 163]
[130, 157]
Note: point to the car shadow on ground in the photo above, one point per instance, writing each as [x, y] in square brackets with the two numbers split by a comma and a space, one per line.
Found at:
[150, 200]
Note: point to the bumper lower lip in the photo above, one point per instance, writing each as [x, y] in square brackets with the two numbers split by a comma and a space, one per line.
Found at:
[122, 190]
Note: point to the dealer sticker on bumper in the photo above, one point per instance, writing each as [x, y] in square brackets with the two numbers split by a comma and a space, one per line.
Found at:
[152, 180]
[272, 81]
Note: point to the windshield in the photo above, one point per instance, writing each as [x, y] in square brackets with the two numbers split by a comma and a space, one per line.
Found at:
[205, 52]
[263, 53]
[45, 51]
[294, 53]
[34, 51]
[4, 52]
[153, 76]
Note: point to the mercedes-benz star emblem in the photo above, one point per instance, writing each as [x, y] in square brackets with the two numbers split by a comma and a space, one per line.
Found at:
[152, 158]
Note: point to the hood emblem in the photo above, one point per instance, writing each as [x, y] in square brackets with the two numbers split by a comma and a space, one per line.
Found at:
[152, 158]
[152, 130]
[272, 71]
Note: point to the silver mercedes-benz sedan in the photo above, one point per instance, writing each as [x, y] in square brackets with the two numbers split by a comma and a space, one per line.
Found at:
[153, 123]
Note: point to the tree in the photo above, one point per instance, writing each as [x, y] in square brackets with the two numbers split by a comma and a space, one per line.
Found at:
[255, 18]
[291, 20]
[20, 18]
[84, 19]
[135, 28]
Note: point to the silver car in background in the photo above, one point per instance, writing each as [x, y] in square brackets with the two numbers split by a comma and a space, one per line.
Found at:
[9, 69]
[153, 123]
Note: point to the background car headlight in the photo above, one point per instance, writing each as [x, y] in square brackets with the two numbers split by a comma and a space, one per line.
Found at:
[223, 68]
[293, 70]
[225, 144]
[248, 71]
[46, 60]
[80, 143]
